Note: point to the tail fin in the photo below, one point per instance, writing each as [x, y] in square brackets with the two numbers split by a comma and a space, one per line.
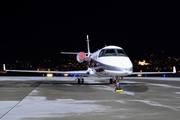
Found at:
[88, 48]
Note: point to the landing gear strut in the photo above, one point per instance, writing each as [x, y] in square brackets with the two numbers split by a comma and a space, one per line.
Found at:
[80, 80]
[117, 86]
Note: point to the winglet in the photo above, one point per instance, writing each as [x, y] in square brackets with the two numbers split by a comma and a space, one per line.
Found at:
[174, 69]
[4, 67]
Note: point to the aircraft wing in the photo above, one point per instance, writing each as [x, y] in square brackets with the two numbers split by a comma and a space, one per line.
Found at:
[174, 71]
[81, 72]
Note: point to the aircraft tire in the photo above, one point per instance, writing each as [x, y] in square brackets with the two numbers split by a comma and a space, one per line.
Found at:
[117, 87]
[78, 81]
[110, 81]
[82, 81]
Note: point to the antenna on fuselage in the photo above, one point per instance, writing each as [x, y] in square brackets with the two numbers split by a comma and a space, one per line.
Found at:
[88, 48]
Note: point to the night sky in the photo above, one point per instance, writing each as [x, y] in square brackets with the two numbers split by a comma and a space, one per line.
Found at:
[37, 29]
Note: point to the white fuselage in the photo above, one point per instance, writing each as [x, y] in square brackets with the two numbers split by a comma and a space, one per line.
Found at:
[110, 61]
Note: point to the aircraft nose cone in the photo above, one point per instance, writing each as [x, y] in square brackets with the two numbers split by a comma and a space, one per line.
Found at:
[120, 62]
[123, 62]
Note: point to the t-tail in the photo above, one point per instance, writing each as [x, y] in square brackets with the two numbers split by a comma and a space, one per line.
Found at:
[81, 56]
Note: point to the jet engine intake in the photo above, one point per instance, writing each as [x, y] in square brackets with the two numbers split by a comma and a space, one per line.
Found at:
[81, 56]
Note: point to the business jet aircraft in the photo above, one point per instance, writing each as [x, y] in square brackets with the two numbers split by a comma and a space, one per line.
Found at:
[110, 61]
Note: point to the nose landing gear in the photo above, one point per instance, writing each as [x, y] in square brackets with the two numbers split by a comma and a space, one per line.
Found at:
[115, 82]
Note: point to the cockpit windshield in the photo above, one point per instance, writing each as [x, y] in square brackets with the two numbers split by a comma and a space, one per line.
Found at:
[112, 52]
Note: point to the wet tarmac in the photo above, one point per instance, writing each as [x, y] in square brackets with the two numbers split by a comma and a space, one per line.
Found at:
[42, 98]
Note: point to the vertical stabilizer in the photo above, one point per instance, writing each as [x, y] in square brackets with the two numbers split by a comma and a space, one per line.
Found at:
[88, 48]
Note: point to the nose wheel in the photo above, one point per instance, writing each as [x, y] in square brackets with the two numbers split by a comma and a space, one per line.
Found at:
[115, 82]
[117, 87]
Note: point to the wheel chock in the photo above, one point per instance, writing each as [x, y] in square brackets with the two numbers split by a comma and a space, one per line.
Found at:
[118, 91]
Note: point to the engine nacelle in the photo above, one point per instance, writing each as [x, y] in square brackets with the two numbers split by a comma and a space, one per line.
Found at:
[81, 56]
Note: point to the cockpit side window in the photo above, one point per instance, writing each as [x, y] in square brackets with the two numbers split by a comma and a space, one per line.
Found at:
[101, 53]
[121, 52]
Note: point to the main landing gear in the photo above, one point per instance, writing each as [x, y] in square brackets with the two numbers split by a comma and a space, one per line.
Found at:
[80, 80]
[115, 82]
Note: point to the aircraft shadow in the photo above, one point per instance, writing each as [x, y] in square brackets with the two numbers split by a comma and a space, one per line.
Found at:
[132, 87]
[73, 83]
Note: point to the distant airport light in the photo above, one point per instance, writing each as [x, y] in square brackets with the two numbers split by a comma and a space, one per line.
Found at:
[143, 63]
[49, 75]
[65, 75]
[139, 75]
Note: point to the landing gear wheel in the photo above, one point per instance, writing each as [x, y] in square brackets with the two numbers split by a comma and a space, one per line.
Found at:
[110, 81]
[82, 80]
[117, 88]
[79, 81]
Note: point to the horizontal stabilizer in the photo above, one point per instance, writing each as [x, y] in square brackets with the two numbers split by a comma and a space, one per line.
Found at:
[70, 53]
